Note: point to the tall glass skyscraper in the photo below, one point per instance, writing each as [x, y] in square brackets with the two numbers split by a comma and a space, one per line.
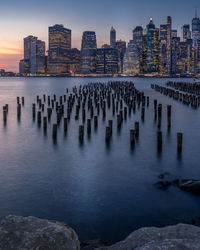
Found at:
[112, 37]
[88, 52]
[26, 63]
[169, 49]
[133, 57]
[185, 32]
[59, 43]
[196, 38]
[121, 47]
[37, 57]
[150, 46]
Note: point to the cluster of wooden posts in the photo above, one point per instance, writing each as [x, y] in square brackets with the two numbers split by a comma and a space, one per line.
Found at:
[190, 88]
[186, 98]
[91, 101]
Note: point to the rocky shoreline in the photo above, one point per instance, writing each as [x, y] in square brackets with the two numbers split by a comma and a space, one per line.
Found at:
[25, 233]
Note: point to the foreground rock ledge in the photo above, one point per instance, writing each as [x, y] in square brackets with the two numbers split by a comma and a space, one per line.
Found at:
[26, 233]
[179, 237]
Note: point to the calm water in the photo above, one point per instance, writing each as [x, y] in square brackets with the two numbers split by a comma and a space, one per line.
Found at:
[102, 192]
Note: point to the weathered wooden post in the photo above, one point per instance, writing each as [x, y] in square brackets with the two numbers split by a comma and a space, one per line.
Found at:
[143, 113]
[39, 117]
[54, 132]
[45, 123]
[81, 133]
[89, 126]
[33, 110]
[137, 129]
[179, 142]
[4, 115]
[65, 124]
[159, 140]
[95, 121]
[110, 124]
[18, 110]
[108, 134]
[169, 116]
[132, 137]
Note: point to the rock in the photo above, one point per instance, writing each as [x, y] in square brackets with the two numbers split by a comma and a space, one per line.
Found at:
[24, 233]
[192, 186]
[162, 176]
[179, 237]
[163, 184]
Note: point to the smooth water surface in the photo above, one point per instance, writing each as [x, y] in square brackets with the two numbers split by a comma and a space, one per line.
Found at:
[102, 192]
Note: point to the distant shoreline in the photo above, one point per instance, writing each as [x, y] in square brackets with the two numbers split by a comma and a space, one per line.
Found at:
[148, 77]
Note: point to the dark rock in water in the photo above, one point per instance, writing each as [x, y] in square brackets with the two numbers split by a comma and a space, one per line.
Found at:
[25, 233]
[162, 176]
[192, 186]
[176, 181]
[179, 237]
[163, 184]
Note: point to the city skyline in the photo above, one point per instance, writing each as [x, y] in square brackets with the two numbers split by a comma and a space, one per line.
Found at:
[23, 21]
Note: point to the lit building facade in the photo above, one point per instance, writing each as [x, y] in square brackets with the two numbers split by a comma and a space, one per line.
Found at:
[121, 47]
[59, 43]
[132, 63]
[185, 32]
[150, 49]
[107, 61]
[168, 48]
[88, 52]
[38, 57]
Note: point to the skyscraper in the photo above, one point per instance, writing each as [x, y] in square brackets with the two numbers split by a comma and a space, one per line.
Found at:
[107, 61]
[59, 44]
[168, 49]
[132, 62]
[27, 54]
[195, 37]
[185, 32]
[150, 48]
[37, 57]
[121, 47]
[88, 52]
[112, 37]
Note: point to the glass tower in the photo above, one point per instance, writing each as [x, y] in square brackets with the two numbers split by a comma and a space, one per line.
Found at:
[112, 37]
[88, 52]
[59, 44]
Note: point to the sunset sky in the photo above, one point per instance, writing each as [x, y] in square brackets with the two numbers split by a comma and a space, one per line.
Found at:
[21, 18]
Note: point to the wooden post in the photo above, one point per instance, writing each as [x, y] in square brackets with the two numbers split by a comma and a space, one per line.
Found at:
[45, 122]
[137, 129]
[81, 132]
[179, 142]
[169, 116]
[54, 132]
[159, 140]
[39, 117]
[95, 121]
[110, 124]
[132, 137]
[65, 124]
[89, 126]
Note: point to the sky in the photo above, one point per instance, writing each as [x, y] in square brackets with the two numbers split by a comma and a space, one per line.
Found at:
[20, 18]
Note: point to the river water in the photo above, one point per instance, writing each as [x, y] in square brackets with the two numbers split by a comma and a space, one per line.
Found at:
[102, 192]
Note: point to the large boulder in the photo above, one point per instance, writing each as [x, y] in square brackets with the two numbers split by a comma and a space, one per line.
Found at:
[24, 233]
[192, 186]
[179, 237]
